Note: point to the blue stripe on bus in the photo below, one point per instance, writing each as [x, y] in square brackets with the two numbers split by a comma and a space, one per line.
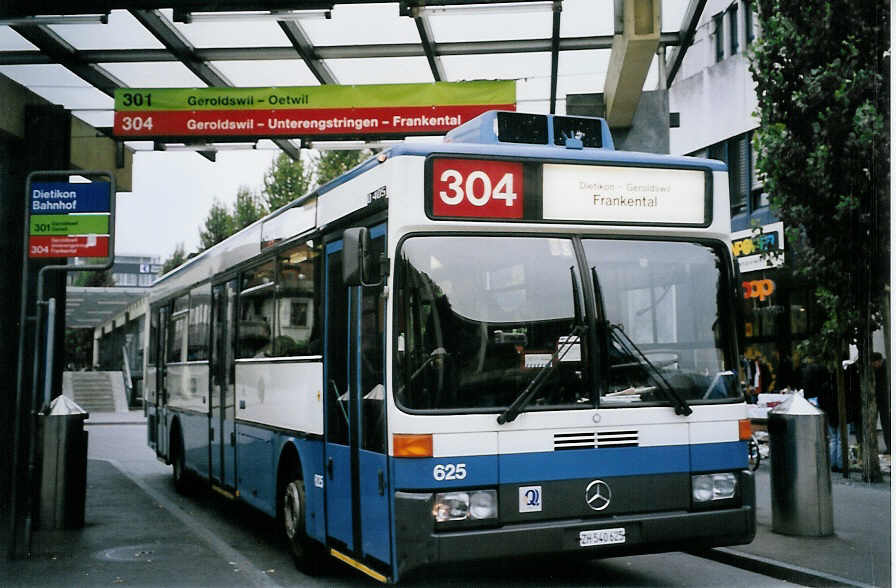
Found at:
[417, 473]
[710, 457]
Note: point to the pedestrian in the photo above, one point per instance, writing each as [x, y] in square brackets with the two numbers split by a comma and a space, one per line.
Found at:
[785, 378]
[854, 400]
[882, 395]
[817, 383]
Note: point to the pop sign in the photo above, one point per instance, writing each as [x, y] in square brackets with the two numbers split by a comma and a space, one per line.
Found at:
[474, 188]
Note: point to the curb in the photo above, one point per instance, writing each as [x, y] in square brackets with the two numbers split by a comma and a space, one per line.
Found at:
[776, 569]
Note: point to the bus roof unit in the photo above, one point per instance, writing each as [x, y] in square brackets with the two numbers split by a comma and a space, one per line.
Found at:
[498, 126]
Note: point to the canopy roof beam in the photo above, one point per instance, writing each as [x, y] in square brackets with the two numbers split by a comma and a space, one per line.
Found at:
[688, 29]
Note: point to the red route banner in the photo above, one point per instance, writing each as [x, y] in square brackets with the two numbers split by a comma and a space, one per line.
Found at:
[298, 122]
[62, 246]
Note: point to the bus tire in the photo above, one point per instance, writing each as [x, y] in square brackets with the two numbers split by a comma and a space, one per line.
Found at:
[178, 463]
[308, 555]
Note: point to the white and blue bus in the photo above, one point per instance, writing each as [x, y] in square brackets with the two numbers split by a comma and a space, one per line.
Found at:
[517, 341]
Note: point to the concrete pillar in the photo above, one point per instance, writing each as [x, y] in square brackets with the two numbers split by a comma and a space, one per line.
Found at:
[632, 52]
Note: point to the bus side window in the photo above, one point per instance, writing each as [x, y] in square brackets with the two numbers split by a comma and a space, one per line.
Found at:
[176, 331]
[256, 324]
[198, 331]
[298, 323]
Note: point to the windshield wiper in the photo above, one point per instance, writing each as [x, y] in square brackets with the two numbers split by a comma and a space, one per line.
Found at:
[567, 343]
[681, 406]
[620, 336]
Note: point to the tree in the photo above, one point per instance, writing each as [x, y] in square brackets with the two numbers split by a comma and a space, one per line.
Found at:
[177, 258]
[218, 225]
[823, 148]
[332, 164]
[285, 181]
[247, 209]
[94, 279]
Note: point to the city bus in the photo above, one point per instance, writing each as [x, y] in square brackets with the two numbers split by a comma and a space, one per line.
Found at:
[516, 341]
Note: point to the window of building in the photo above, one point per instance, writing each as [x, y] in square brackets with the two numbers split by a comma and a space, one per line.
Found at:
[735, 152]
[758, 196]
[719, 29]
[799, 312]
[749, 33]
[732, 29]
[738, 172]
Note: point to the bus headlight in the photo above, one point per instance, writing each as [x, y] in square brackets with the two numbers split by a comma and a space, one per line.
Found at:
[708, 487]
[465, 505]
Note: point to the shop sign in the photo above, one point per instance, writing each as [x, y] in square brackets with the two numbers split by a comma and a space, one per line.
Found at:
[760, 289]
[759, 250]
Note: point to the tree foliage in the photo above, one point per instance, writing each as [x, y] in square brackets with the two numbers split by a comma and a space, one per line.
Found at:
[177, 258]
[94, 279]
[217, 227]
[247, 209]
[332, 164]
[820, 69]
[285, 181]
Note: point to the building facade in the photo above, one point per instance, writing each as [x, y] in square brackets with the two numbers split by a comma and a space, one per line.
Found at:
[715, 97]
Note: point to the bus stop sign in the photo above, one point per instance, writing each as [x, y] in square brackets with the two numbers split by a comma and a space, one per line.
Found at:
[69, 219]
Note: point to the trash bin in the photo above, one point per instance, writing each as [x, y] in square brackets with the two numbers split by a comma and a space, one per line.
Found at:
[63, 484]
[800, 471]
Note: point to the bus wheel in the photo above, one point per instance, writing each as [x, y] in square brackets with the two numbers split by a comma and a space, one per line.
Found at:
[308, 555]
[178, 467]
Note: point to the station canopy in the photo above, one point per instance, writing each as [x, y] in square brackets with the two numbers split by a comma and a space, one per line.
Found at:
[77, 52]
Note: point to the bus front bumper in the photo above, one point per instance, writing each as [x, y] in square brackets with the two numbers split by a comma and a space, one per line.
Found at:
[419, 545]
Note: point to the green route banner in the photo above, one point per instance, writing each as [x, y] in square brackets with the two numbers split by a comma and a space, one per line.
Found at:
[299, 111]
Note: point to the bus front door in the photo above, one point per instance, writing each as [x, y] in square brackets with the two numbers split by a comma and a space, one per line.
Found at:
[355, 456]
[222, 434]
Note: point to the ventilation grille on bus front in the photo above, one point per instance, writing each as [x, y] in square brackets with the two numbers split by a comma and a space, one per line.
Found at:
[595, 440]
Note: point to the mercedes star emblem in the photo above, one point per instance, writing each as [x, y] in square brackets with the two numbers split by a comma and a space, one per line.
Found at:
[597, 495]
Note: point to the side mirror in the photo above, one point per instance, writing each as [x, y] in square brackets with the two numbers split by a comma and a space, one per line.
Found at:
[356, 262]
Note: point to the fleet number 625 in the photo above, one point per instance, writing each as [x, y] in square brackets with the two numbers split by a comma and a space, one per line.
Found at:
[449, 471]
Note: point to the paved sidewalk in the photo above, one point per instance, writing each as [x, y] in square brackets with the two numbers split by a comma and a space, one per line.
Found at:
[129, 538]
[858, 553]
[132, 538]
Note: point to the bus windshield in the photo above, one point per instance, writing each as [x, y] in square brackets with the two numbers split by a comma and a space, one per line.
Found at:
[481, 317]
[663, 302]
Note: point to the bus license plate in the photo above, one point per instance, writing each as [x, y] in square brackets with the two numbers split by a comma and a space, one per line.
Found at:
[601, 537]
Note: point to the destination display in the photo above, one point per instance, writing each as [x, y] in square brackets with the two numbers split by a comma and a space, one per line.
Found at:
[298, 111]
[77, 246]
[69, 224]
[641, 195]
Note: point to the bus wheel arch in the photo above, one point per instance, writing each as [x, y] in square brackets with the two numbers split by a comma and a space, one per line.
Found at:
[292, 508]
